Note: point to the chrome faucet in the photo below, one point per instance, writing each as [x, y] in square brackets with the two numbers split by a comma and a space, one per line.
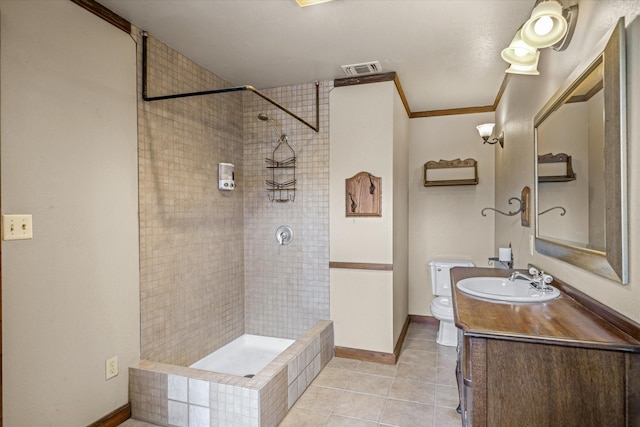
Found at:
[538, 279]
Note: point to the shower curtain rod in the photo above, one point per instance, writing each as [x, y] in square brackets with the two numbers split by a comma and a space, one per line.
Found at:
[225, 90]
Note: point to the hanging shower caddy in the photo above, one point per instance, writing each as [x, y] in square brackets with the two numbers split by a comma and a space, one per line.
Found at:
[282, 185]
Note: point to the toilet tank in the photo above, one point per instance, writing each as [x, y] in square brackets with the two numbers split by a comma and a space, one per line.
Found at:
[440, 279]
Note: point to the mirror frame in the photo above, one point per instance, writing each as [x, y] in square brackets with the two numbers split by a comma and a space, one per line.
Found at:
[614, 263]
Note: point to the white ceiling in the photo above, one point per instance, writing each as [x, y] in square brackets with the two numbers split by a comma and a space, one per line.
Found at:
[446, 53]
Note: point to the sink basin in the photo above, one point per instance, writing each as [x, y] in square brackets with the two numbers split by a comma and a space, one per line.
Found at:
[503, 289]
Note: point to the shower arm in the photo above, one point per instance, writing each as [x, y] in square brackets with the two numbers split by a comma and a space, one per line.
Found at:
[316, 128]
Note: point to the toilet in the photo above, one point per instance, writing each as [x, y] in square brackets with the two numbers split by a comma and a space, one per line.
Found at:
[441, 306]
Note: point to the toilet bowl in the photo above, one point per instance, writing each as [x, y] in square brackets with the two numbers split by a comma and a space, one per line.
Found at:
[442, 309]
[442, 306]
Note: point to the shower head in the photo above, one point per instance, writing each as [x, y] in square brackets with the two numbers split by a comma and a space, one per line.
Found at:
[263, 117]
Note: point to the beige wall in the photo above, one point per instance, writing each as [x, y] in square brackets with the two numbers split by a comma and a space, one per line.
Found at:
[368, 133]
[400, 215]
[68, 141]
[361, 140]
[445, 222]
[524, 97]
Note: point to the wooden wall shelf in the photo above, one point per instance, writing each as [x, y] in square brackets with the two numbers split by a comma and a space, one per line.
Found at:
[465, 178]
[569, 175]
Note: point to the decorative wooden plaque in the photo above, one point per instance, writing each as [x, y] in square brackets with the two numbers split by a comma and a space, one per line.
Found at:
[363, 195]
[458, 172]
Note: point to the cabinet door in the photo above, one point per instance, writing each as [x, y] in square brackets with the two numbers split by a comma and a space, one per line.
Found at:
[552, 385]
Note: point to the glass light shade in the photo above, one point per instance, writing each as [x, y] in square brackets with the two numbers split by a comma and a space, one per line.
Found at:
[529, 70]
[546, 26]
[485, 130]
[305, 3]
[520, 53]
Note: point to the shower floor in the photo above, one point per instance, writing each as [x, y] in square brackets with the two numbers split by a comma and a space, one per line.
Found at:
[244, 356]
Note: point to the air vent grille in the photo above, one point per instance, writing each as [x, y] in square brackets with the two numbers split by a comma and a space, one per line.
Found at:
[361, 69]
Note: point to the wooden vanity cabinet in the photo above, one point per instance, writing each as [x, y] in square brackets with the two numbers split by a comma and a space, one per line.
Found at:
[543, 364]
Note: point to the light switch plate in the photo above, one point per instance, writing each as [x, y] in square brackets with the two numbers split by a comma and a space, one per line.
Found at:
[17, 227]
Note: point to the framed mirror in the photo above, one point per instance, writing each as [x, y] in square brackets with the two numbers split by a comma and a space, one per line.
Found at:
[581, 167]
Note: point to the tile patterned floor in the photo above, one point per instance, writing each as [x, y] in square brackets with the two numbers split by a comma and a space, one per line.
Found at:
[419, 391]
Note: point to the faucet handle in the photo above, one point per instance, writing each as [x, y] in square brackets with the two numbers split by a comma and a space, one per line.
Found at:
[534, 272]
[547, 278]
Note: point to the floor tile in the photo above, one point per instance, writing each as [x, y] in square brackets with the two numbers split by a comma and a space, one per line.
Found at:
[135, 423]
[369, 384]
[409, 414]
[418, 357]
[339, 421]
[415, 372]
[334, 378]
[304, 418]
[377, 369]
[447, 396]
[446, 417]
[422, 345]
[342, 363]
[320, 399]
[446, 376]
[419, 391]
[413, 391]
[446, 358]
[359, 405]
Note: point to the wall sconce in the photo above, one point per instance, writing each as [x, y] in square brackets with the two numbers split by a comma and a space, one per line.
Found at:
[485, 130]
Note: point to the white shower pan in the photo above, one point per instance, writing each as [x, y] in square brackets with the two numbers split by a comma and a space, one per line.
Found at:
[245, 356]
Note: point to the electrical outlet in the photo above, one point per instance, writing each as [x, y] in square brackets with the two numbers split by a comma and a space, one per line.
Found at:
[111, 367]
[17, 227]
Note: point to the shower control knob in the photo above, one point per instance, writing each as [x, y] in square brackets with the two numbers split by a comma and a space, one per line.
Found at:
[284, 235]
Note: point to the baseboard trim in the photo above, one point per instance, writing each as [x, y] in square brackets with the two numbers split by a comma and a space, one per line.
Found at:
[424, 319]
[401, 338]
[376, 356]
[114, 418]
[365, 355]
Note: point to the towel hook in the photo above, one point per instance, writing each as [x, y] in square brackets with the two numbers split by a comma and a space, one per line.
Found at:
[523, 210]
[563, 213]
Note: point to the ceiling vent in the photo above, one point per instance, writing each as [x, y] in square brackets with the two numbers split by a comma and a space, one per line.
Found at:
[362, 69]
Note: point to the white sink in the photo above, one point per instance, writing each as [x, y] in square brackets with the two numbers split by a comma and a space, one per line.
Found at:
[503, 289]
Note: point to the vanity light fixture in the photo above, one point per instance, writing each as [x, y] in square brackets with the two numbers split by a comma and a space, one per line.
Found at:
[529, 70]
[546, 26]
[522, 57]
[549, 26]
[305, 3]
[485, 130]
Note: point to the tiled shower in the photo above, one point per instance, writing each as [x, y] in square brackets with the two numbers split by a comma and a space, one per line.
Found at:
[211, 268]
